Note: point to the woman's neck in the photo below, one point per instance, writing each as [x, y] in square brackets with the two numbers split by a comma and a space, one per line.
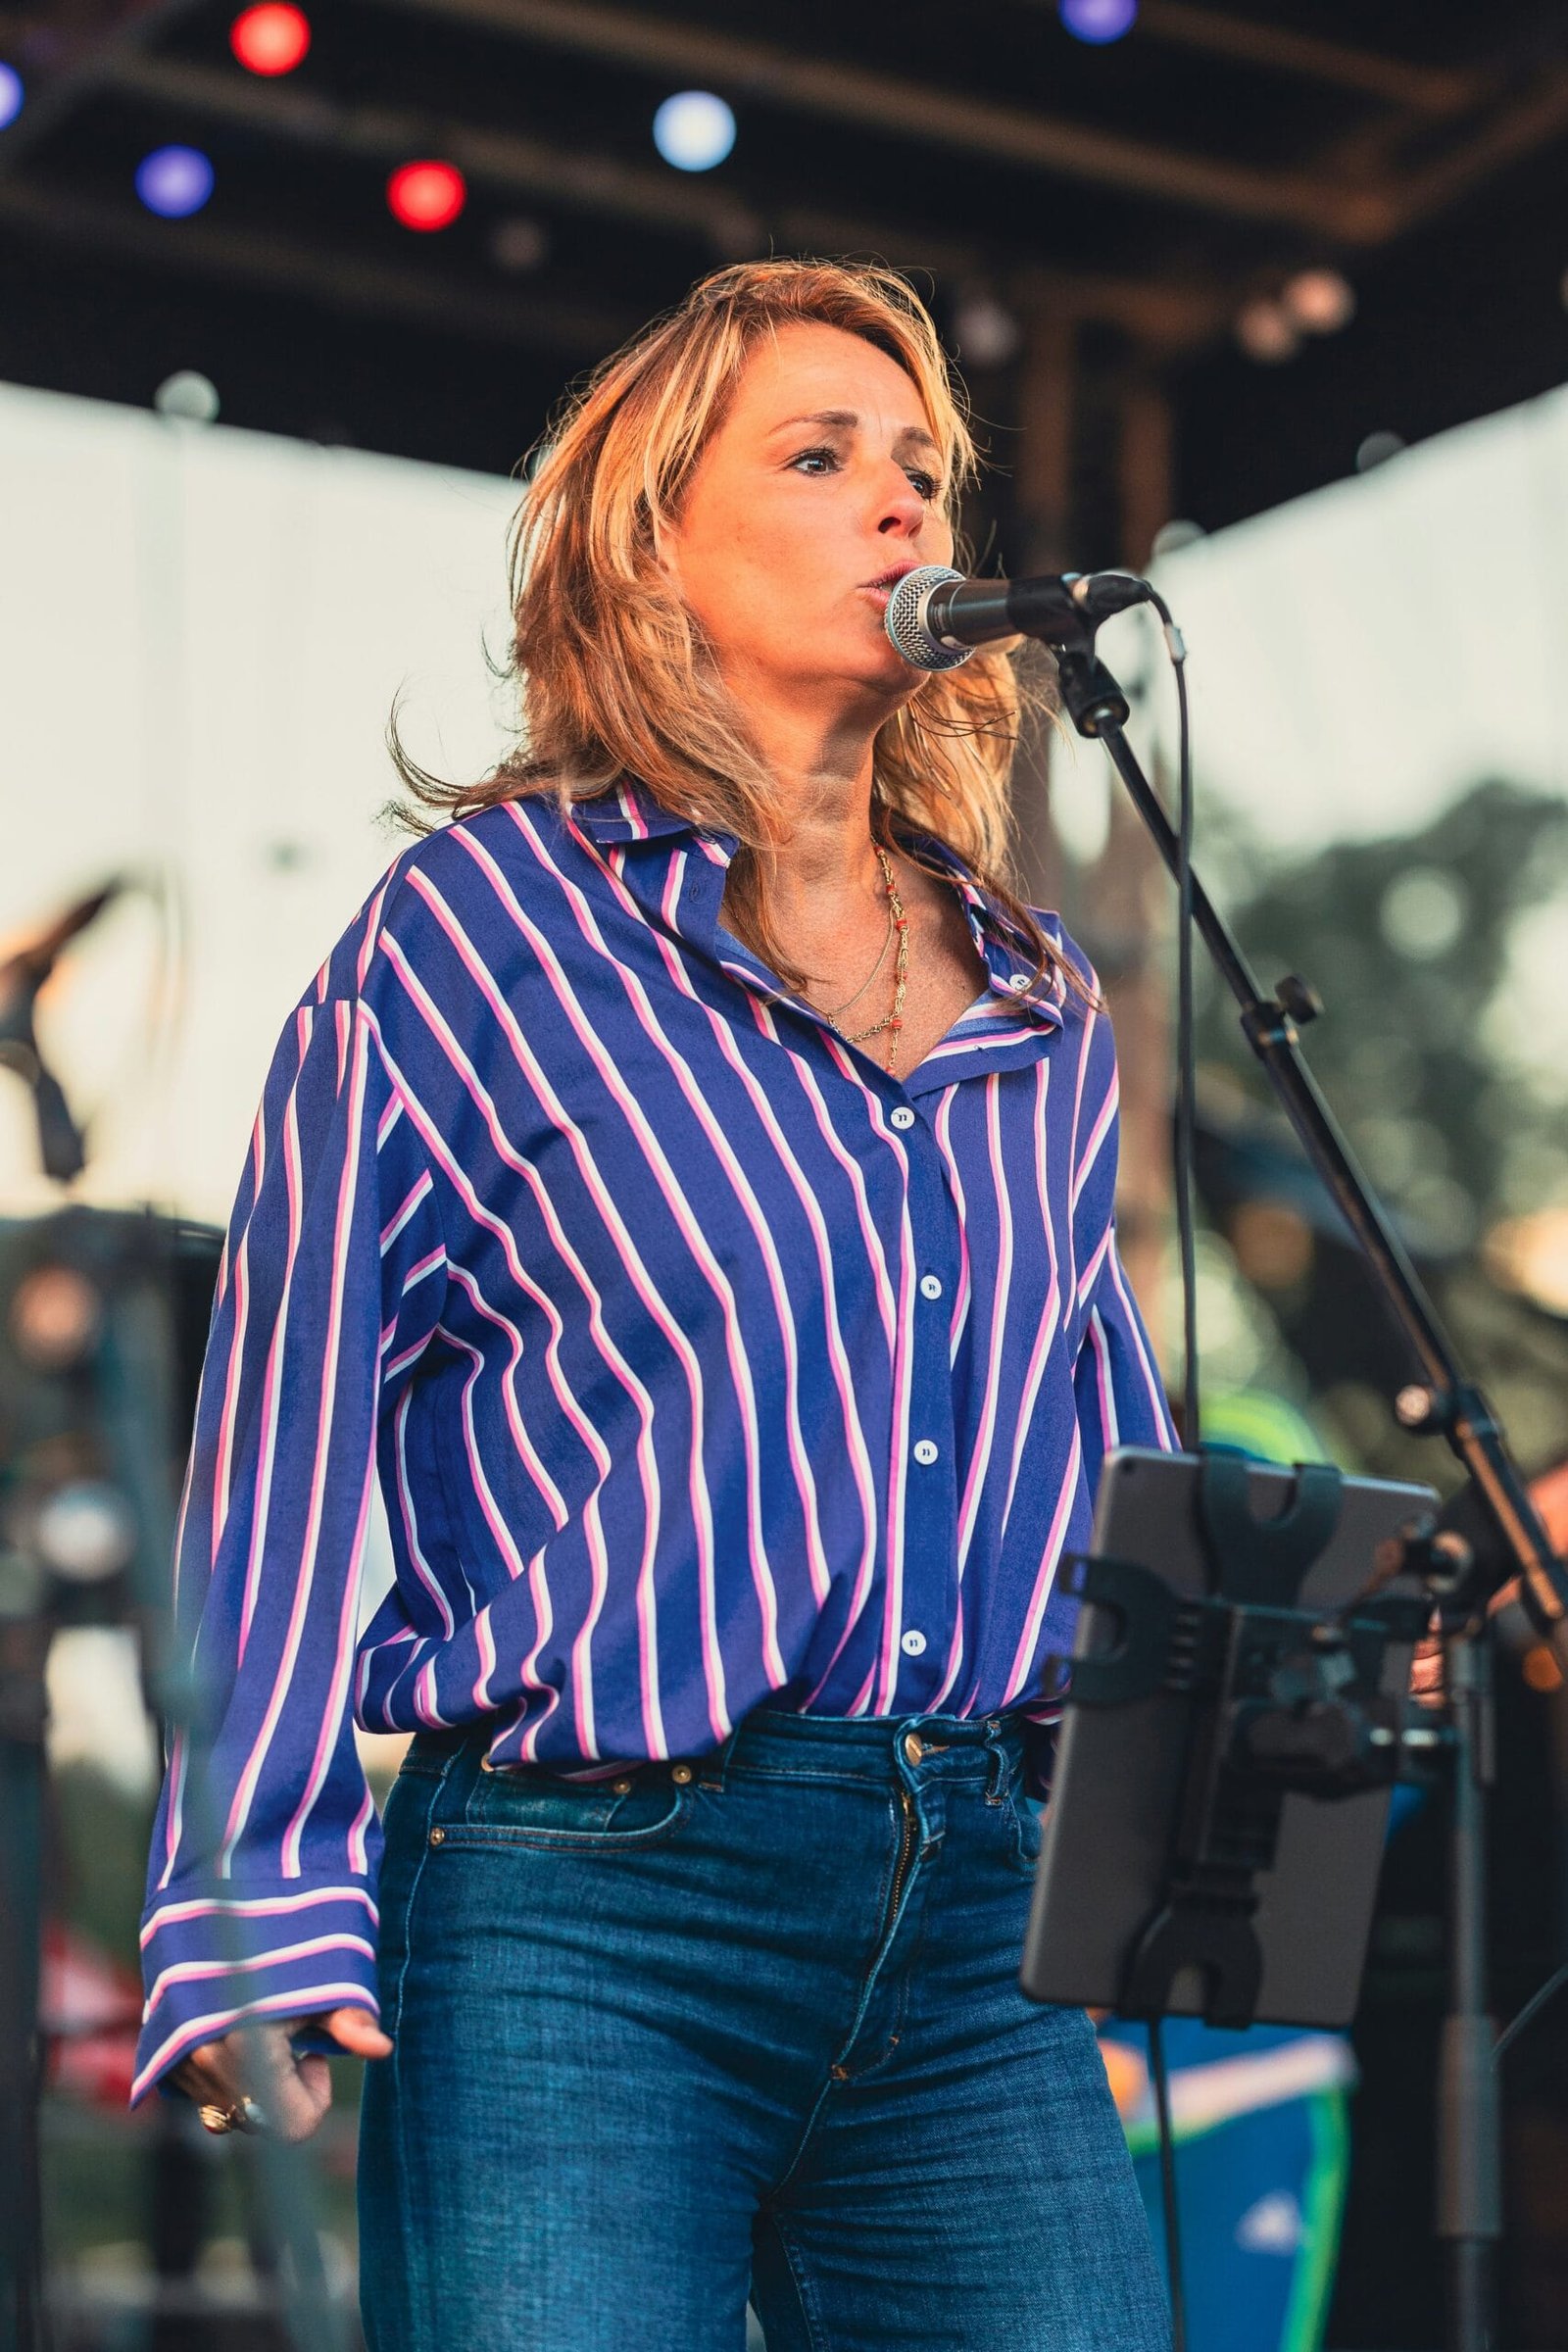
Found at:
[825, 867]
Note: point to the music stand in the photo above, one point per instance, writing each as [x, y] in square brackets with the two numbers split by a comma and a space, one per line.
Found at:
[1236, 1718]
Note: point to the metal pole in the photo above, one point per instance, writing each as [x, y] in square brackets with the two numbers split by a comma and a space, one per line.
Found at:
[23, 1645]
[1469, 2202]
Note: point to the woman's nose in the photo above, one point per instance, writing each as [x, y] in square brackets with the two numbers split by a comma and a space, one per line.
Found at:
[904, 509]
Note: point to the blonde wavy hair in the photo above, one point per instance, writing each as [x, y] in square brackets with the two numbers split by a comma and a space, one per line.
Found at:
[613, 673]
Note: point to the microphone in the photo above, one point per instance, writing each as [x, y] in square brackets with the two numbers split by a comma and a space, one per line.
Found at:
[936, 617]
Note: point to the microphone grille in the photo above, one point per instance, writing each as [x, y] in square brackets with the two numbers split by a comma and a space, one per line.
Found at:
[905, 619]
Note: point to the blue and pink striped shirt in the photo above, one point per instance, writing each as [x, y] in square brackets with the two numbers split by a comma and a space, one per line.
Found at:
[702, 1363]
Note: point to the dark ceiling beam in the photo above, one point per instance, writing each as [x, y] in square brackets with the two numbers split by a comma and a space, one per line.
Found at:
[1166, 314]
[1531, 119]
[345, 284]
[922, 113]
[1396, 81]
[77, 60]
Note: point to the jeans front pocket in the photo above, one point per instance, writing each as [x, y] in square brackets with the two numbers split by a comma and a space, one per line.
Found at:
[1028, 1813]
[526, 1806]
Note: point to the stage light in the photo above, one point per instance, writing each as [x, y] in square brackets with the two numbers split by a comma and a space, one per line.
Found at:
[175, 181]
[1266, 333]
[188, 395]
[11, 95]
[694, 130]
[1320, 300]
[987, 333]
[426, 195]
[519, 244]
[1098, 22]
[271, 39]
[1376, 450]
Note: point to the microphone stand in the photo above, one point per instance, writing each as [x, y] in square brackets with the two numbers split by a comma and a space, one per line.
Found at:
[1469, 2200]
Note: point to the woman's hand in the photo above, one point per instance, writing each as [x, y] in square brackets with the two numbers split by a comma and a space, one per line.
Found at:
[1428, 1686]
[255, 2062]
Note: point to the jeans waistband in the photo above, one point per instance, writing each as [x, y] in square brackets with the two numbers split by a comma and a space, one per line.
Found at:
[779, 1743]
[875, 1748]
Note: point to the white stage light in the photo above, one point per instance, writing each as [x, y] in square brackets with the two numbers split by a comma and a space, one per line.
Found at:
[694, 130]
[189, 395]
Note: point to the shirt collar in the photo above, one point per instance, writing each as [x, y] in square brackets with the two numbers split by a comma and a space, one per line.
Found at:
[990, 929]
[628, 811]
[631, 812]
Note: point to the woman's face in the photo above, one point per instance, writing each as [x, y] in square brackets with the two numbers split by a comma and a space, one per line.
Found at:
[820, 488]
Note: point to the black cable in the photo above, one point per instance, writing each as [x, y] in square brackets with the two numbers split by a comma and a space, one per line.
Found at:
[1529, 2012]
[1186, 1077]
[1167, 2185]
[1183, 1155]
[1184, 1126]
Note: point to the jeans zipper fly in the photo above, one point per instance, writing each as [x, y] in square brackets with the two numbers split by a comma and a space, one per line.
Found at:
[900, 1868]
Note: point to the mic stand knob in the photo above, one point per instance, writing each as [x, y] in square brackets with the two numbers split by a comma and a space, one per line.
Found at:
[1299, 999]
[1096, 704]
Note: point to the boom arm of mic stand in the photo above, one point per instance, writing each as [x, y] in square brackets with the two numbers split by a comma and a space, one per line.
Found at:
[1455, 1408]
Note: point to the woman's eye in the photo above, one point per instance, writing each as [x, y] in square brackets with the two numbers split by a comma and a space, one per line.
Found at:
[819, 461]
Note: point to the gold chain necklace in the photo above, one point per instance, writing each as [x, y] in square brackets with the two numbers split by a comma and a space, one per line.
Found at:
[836, 1012]
[893, 1020]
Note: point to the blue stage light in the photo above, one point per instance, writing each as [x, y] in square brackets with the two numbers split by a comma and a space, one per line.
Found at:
[175, 181]
[694, 130]
[1098, 21]
[11, 95]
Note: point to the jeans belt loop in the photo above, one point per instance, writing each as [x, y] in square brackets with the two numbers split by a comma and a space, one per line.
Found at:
[712, 1767]
[1001, 1763]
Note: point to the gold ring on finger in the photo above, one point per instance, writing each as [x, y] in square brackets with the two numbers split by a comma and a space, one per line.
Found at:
[216, 2119]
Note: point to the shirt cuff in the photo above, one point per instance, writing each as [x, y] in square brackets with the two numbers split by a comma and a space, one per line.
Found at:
[289, 1949]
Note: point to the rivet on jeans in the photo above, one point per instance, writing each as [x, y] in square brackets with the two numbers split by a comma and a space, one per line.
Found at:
[680, 1773]
[438, 1837]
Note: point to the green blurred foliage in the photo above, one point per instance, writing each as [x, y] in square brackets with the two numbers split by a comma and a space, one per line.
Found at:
[1429, 1054]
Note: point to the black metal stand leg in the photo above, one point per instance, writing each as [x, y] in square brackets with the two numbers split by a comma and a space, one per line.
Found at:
[1469, 2215]
[21, 2321]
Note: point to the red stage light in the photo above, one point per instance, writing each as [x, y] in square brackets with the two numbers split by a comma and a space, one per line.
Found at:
[271, 39]
[426, 195]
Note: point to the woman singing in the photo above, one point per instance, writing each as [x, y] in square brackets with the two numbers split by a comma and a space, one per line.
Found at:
[687, 1185]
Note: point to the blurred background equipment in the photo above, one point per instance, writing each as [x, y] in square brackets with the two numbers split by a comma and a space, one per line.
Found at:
[1265, 297]
[21, 977]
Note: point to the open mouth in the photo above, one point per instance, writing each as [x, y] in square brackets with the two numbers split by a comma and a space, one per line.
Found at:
[883, 585]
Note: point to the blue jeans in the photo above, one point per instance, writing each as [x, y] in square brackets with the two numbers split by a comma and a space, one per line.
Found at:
[746, 2026]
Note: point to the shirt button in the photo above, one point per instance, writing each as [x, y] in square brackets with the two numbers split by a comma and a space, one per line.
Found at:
[924, 1449]
[904, 1117]
[912, 1644]
[1018, 983]
[930, 1285]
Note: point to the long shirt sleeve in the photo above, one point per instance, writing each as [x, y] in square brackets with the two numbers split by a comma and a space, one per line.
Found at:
[1119, 1395]
[261, 1884]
